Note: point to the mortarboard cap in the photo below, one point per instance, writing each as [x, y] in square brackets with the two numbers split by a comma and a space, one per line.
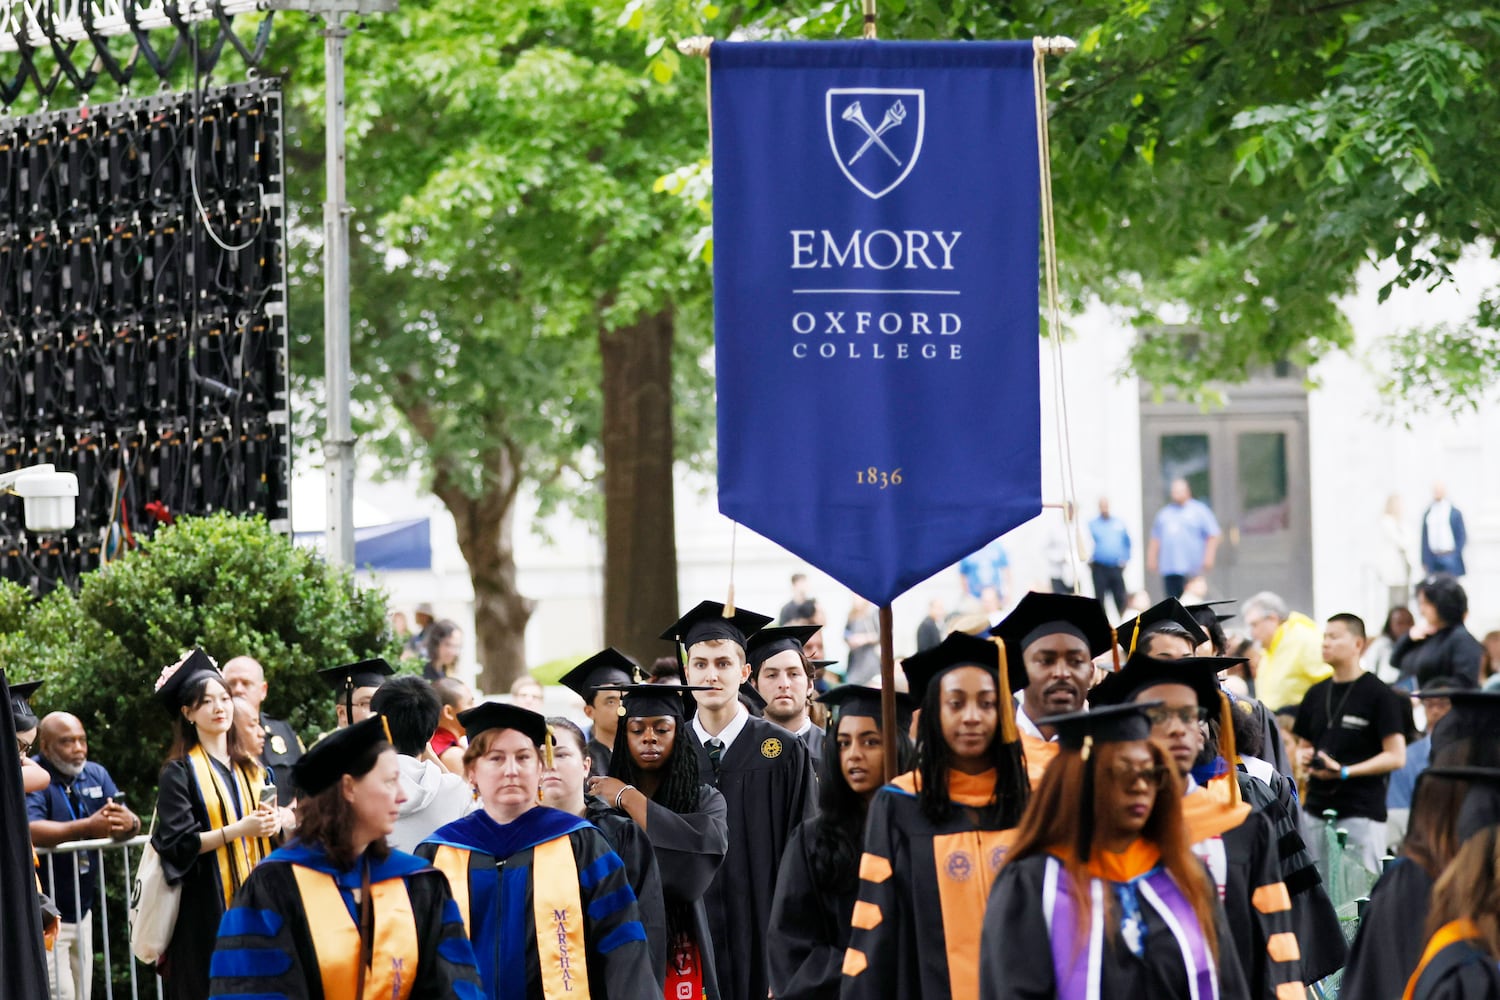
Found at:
[20, 704]
[824, 664]
[1132, 631]
[958, 649]
[767, 642]
[753, 699]
[1038, 615]
[857, 699]
[498, 715]
[650, 701]
[1201, 673]
[1481, 805]
[1472, 722]
[346, 678]
[608, 666]
[172, 692]
[1110, 724]
[707, 622]
[332, 757]
[1202, 612]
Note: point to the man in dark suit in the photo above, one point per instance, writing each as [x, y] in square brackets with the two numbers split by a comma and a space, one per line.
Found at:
[1443, 535]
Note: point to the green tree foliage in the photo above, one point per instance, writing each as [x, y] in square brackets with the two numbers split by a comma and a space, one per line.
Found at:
[1234, 166]
[502, 167]
[230, 585]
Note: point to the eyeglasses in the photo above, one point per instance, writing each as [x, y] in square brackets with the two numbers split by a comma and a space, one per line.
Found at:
[1187, 715]
[1126, 776]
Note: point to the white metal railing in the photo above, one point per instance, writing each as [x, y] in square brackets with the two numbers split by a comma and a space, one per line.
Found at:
[102, 849]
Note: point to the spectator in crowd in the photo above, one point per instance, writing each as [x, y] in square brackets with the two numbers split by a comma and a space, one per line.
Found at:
[795, 607]
[1057, 550]
[33, 776]
[444, 643]
[1356, 728]
[1111, 553]
[400, 628]
[526, 692]
[1443, 535]
[1398, 794]
[989, 567]
[1489, 667]
[448, 741]
[930, 631]
[1394, 563]
[1398, 622]
[416, 646]
[862, 636]
[211, 828]
[1184, 539]
[78, 805]
[283, 747]
[664, 670]
[1291, 650]
[433, 796]
[1438, 645]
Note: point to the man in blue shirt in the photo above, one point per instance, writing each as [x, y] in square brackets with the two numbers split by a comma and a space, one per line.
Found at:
[989, 567]
[1111, 553]
[78, 805]
[1184, 539]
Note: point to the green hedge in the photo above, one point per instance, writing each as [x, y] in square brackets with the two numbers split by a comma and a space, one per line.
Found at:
[229, 584]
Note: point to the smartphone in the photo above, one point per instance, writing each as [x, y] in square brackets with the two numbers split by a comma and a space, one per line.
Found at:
[1321, 761]
[268, 795]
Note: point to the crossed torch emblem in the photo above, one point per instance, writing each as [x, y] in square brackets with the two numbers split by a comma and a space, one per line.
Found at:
[894, 116]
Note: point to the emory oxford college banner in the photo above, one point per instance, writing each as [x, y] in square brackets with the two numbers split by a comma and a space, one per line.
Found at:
[876, 249]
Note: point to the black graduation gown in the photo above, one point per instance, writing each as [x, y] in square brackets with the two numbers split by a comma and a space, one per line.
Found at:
[809, 925]
[689, 850]
[1460, 971]
[180, 820]
[1389, 944]
[813, 739]
[266, 947]
[767, 782]
[1016, 960]
[599, 758]
[634, 848]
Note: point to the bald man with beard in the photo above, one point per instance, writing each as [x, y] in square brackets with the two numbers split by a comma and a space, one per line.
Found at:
[247, 680]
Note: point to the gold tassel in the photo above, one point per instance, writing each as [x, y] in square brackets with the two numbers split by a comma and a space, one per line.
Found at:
[1114, 647]
[1135, 632]
[1008, 731]
[1088, 747]
[384, 724]
[729, 604]
[547, 749]
[1227, 748]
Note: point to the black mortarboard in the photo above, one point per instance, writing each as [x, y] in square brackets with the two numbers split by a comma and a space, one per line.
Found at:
[650, 701]
[753, 699]
[608, 666]
[1110, 724]
[332, 757]
[958, 649]
[349, 677]
[1039, 615]
[1473, 721]
[499, 715]
[1200, 612]
[173, 690]
[857, 699]
[1201, 673]
[1133, 630]
[767, 642]
[1481, 805]
[20, 704]
[824, 664]
[707, 622]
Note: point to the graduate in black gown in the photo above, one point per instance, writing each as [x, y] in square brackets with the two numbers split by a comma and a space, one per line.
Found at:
[337, 914]
[607, 668]
[781, 674]
[654, 777]
[545, 898]
[1462, 958]
[1236, 843]
[211, 829]
[765, 775]
[1101, 895]
[819, 881]
[563, 787]
[936, 835]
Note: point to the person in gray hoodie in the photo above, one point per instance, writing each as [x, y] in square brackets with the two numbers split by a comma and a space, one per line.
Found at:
[435, 797]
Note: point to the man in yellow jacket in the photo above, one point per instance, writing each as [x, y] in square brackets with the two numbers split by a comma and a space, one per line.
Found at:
[1292, 660]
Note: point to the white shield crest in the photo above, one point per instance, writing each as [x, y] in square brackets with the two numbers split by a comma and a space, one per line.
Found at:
[875, 134]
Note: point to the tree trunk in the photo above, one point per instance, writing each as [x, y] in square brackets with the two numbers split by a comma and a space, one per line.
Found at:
[640, 541]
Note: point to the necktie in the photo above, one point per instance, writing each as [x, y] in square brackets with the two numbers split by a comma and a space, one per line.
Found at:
[715, 751]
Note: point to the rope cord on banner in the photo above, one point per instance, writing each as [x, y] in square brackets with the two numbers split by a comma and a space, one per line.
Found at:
[1042, 47]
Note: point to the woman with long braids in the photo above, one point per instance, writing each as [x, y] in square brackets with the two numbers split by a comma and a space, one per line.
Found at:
[211, 827]
[819, 878]
[933, 840]
[1101, 895]
[653, 776]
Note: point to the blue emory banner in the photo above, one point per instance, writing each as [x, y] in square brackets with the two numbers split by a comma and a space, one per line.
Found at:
[876, 277]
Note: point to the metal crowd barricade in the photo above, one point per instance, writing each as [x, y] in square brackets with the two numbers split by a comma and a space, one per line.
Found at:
[1348, 883]
[100, 905]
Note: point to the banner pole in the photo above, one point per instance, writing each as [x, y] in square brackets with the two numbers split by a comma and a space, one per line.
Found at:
[887, 692]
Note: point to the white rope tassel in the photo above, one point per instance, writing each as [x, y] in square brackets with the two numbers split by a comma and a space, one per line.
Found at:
[1041, 46]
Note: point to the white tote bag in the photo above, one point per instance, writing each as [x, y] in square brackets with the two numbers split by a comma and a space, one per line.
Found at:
[153, 907]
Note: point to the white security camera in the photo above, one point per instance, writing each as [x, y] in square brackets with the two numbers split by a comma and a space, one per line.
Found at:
[50, 496]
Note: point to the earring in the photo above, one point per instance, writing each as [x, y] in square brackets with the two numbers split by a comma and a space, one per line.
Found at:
[476, 792]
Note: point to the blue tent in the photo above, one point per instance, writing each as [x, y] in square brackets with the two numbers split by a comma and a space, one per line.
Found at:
[398, 545]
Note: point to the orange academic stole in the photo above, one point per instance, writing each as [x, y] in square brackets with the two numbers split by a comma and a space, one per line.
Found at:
[336, 940]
